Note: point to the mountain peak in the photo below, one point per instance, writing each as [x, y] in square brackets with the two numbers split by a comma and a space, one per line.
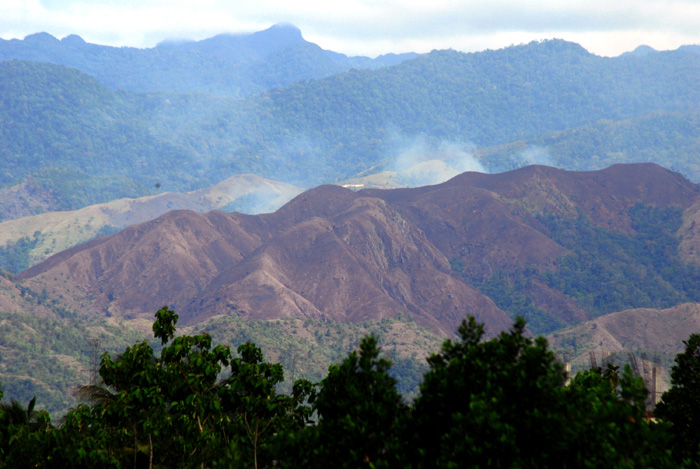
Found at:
[73, 40]
[641, 51]
[251, 46]
[283, 29]
[559, 46]
[40, 38]
[280, 34]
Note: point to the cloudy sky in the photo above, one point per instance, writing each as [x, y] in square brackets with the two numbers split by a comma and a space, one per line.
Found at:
[368, 27]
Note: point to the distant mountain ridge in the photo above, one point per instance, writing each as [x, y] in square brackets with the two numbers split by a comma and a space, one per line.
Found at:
[671, 138]
[235, 65]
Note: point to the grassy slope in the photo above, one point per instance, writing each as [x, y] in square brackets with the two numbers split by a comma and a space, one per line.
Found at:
[48, 356]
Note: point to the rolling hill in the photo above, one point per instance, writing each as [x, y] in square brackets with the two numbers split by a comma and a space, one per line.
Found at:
[53, 232]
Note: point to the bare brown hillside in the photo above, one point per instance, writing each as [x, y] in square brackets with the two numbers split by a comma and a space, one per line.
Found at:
[636, 329]
[339, 255]
[658, 334]
[331, 254]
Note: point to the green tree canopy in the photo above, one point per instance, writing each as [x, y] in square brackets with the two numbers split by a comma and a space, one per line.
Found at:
[680, 405]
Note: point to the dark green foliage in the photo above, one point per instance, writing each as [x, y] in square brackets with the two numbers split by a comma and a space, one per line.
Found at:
[680, 405]
[503, 403]
[489, 403]
[174, 411]
[164, 327]
[167, 411]
[497, 403]
[408, 373]
[14, 257]
[358, 409]
[608, 422]
[14, 414]
[509, 291]
[611, 271]
[250, 394]
[607, 271]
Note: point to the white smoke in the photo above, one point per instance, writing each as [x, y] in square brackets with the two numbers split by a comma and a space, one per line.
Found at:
[419, 162]
[534, 154]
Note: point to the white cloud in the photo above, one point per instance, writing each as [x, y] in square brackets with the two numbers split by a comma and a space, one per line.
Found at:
[368, 27]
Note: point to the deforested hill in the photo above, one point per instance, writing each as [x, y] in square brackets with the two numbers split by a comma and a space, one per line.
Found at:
[554, 246]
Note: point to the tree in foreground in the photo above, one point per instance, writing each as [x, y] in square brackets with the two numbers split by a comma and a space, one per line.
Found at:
[504, 403]
[608, 425]
[680, 405]
[170, 411]
[358, 409]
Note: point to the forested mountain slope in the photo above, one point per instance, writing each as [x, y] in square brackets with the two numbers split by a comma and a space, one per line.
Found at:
[83, 143]
[71, 141]
[671, 138]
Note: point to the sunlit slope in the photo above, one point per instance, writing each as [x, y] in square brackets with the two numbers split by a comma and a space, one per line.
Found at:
[35, 238]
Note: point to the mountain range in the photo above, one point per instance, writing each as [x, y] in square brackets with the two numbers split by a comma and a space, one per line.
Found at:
[235, 65]
[69, 137]
[564, 249]
[130, 169]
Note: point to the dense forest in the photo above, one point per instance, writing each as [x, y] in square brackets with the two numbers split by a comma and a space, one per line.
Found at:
[70, 137]
[504, 402]
[669, 137]
[605, 271]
